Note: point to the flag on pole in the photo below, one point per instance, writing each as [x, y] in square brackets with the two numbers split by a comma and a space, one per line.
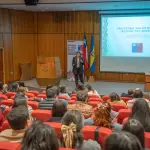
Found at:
[92, 55]
[85, 53]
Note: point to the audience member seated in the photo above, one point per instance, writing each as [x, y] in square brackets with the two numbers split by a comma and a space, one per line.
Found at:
[17, 119]
[40, 137]
[72, 124]
[135, 127]
[3, 88]
[20, 100]
[102, 117]
[81, 104]
[122, 141]
[129, 94]
[137, 94]
[21, 89]
[14, 87]
[91, 91]
[47, 104]
[80, 87]
[63, 91]
[58, 111]
[141, 112]
[115, 99]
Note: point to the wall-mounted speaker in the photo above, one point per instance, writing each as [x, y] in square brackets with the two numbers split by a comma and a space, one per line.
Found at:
[31, 2]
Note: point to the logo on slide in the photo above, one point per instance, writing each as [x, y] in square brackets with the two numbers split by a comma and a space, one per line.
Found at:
[137, 47]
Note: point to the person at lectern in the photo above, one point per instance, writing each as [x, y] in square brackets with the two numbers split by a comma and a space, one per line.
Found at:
[78, 64]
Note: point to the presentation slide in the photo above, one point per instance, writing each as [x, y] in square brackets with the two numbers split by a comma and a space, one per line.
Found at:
[125, 43]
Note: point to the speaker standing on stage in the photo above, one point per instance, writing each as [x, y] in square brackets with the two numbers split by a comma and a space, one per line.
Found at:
[78, 64]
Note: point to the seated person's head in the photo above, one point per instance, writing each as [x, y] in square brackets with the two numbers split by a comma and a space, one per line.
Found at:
[102, 115]
[19, 101]
[14, 87]
[17, 118]
[80, 87]
[82, 96]
[114, 97]
[74, 120]
[49, 87]
[57, 89]
[130, 92]
[135, 127]
[122, 141]
[138, 93]
[21, 89]
[74, 92]
[89, 87]
[40, 136]
[51, 93]
[63, 89]
[146, 96]
[59, 109]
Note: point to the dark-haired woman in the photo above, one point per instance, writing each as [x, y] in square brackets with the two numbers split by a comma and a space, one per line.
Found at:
[141, 112]
[40, 137]
[72, 124]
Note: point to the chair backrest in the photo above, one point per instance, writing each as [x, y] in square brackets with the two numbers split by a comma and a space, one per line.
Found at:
[63, 97]
[6, 111]
[44, 92]
[92, 96]
[105, 98]
[33, 104]
[147, 140]
[3, 97]
[123, 113]
[42, 96]
[95, 99]
[7, 102]
[117, 107]
[30, 95]
[10, 146]
[125, 99]
[71, 101]
[73, 98]
[36, 93]
[10, 94]
[93, 103]
[42, 115]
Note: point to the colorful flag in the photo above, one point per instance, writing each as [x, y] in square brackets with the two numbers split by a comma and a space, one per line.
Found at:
[137, 47]
[85, 53]
[92, 55]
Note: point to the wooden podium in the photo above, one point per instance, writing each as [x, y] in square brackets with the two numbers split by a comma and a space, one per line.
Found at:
[147, 82]
[48, 70]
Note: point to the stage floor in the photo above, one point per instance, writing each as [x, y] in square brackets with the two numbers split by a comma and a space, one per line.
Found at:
[105, 88]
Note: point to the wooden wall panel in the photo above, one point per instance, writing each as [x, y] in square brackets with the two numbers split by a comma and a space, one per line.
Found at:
[96, 23]
[52, 45]
[23, 22]
[24, 50]
[79, 22]
[50, 22]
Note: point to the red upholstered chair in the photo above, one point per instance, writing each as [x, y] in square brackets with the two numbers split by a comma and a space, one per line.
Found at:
[3, 97]
[10, 146]
[73, 95]
[30, 95]
[93, 103]
[33, 104]
[117, 107]
[125, 99]
[5, 125]
[1, 93]
[44, 92]
[42, 96]
[36, 93]
[56, 126]
[92, 96]
[71, 101]
[123, 113]
[42, 115]
[63, 97]
[95, 99]
[105, 98]
[147, 140]
[73, 98]
[7, 102]
[10, 94]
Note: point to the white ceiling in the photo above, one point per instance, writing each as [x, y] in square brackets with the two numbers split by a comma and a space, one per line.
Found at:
[82, 5]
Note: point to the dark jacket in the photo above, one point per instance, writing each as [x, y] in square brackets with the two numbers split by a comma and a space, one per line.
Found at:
[47, 104]
[74, 64]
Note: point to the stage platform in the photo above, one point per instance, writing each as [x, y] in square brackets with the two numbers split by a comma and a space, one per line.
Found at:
[104, 88]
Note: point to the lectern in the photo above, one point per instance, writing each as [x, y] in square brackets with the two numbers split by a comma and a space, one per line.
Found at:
[147, 82]
[48, 70]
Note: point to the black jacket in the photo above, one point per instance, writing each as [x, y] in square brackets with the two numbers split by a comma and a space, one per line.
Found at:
[47, 104]
[74, 64]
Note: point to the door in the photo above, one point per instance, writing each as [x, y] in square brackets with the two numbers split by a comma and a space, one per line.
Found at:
[1, 65]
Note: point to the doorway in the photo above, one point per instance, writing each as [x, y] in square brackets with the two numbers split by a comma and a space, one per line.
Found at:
[1, 66]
